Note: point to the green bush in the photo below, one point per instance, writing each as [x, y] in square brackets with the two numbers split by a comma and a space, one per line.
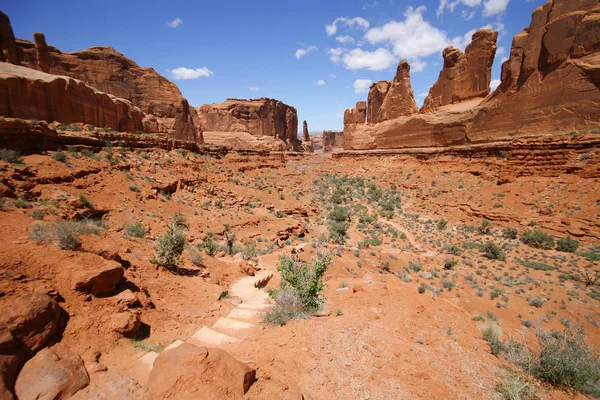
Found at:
[339, 214]
[538, 239]
[305, 279]
[210, 246]
[60, 156]
[337, 231]
[493, 252]
[442, 224]
[491, 333]
[85, 202]
[135, 229]
[450, 263]
[65, 234]
[288, 306]
[567, 361]
[170, 247]
[510, 233]
[11, 156]
[567, 245]
[21, 202]
[485, 227]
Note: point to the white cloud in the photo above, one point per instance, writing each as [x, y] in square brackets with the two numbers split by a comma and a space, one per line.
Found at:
[331, 29]
[362, 85]
[423, 94]
[175, 23]
[345, 39]
[335, 55]
[370, 5]
[494, 7]
[253, 89]
[188, 73]
[500, 51]
[417, 65]
[372, 60]
[494, 84]
[332, 76]
[321, 82]
[305, 51]
[468, 15]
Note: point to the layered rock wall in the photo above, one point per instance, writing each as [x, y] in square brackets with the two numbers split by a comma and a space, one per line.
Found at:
[398, 101]
[26, 93]
[356, 115]
[259, 117]
[332, 140]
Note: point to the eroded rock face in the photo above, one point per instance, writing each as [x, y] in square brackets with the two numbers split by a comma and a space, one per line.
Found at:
[332, 140]
[190, 372]
[356, 115]
[551, 81]
[109, 71]
[259, 117]
[8, 46]
[398, 100]
[54, 373]
[464, 75]
[305, 135]
[26, 93]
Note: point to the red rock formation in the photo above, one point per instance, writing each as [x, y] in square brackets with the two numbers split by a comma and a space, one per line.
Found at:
[375, 99]
[332, 140]
[259, 117]
[465, 75]
[111, 72]
[550, 82]
[356, 115]
[8, 47]
[305, 135]
[26, 93]
[399, 100]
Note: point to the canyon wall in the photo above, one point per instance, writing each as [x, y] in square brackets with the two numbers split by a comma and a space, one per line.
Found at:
[550, 84]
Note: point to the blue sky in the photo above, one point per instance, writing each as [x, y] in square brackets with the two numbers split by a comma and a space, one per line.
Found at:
[317, 56]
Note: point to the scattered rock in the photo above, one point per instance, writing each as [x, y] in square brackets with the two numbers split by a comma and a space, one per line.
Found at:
[99, 281]
[53, 373]
[190, 372]
[127, 299]
[125, 323]
[33, 319]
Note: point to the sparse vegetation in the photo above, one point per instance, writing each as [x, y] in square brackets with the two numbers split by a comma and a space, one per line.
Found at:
[135, 229]
[538, 239]
[170, 246]
[567, 245]
[11, 156]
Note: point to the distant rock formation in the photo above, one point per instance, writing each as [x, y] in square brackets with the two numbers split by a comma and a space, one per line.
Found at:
[464, 75]
[356, 115]
[44, 59]
[259, 117]
[394, 99]
[31, 94]
[332, 140]
[550, 84]
[8, 46]
[305, 135]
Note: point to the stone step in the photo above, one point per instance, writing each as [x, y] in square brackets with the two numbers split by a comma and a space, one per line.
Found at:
[255, 306]
[173, 345]
[232, 327]
[206, 337]
[141, 369]
[240, 314]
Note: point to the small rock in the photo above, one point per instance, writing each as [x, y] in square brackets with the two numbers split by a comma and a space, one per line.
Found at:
[99, 281]
[127, 299]
[125, 323]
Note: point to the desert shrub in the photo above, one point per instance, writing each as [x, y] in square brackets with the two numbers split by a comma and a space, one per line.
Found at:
[339, 214]
[514, 387]
[493, 251]
[134, 189]
[67, 235]
[452, 249]
[11, 156]
[195, 257]
[85, 202]
[134, 229]
[337, 231]
[229, 239]
[288, 306]
[305, 279]
[536, 302]
[442, 224]
[2, 203]
[450, 263]
[88, 153]
[566, 360]
[538, 239]
[60, 156]
[170, 246]
[38, 214]
[510, 233]
[539, 266]
[485, 227]
[21, 202]
[210, 246]
[567, 245]
[491, 333]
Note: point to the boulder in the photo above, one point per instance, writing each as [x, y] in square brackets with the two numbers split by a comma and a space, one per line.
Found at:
[399, 100]
[54, 373]
[31, 94]
[190, 372]
[33, 319]
[100, 280]
[11, 359]
[125, 323]
[356, 115]
[464, 75]
[258, 117]
[8, 46]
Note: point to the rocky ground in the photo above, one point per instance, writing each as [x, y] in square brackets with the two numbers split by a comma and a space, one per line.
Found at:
[416, 270]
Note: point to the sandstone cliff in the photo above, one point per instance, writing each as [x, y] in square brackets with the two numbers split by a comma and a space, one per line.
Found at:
[464, 75]
[356, 115]
[550, 84]
[31, 94]
[332, 140]
[111, 72]
[392, 100]
[258, 117]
